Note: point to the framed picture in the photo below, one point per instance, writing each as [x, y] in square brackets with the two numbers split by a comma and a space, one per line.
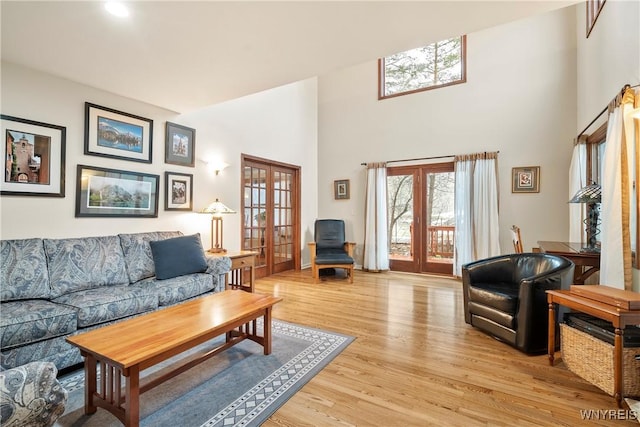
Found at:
[341, 189]
[104, 192]
[525, 179]
[180, 145]
[178, 191]
[34, 154]
[112, 133]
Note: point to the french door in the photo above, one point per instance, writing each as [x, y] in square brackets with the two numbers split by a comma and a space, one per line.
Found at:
[271, 210]
[421, 218]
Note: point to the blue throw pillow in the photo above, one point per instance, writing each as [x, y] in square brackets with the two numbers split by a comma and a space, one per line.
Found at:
[178, 256]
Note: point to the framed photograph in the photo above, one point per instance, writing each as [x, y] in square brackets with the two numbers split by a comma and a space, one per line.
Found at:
[34, 158]
[526, 179]
[179, 145]
[178, 191]
[341, 189]
[112, 133]
[104, 192]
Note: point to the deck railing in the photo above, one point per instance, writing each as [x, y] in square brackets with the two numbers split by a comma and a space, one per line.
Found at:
[440, 241]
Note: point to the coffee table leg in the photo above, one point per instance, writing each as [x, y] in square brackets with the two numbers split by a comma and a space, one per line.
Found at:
[90, 367]
[132, 397]
[267, 331]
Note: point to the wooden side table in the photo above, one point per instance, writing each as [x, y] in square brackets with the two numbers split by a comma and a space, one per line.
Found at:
[620, 318]
[240, 261]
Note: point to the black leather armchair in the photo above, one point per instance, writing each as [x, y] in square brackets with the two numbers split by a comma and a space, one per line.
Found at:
[330, 249]
[505, 296]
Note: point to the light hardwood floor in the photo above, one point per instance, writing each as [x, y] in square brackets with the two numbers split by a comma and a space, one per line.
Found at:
[415, 362]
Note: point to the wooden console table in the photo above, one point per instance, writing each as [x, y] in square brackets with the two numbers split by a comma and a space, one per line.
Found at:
[586, 263]
[240, 261]
[620, 318]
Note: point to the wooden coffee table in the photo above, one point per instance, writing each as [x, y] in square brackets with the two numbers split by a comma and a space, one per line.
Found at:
[126, 348]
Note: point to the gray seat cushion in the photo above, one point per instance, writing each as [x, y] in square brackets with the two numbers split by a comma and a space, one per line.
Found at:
[25, 322]
[181, 288]
[95, 306]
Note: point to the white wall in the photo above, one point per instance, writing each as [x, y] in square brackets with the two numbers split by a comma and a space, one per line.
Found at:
[607, 60]
[519, 99]
[279, 124]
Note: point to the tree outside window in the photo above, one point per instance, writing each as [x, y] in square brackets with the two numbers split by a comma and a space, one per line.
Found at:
[436, 65]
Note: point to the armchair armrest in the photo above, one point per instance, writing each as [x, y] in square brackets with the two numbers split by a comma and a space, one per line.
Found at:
[349, 247]
[31, 395]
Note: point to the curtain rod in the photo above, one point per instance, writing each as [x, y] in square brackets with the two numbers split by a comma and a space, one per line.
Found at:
[420, 158]
[625, 87]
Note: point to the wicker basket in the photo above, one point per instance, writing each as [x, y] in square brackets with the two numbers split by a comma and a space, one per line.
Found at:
[592, 359]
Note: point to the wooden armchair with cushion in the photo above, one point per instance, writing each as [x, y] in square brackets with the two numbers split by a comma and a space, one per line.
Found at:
[330, 249]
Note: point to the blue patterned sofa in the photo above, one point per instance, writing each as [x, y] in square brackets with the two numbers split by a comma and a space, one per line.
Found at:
[53, 288]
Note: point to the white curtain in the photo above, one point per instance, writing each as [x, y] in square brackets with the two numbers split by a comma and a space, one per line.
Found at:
[476, 209]
[376, 250]
[577, 180]
[615, 258]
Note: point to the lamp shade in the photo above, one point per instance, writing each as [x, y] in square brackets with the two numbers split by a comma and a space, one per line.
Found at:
[217, 208]
[589, 194]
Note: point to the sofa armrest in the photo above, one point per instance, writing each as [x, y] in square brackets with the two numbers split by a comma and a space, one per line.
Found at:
[218, 266]
[30, 395]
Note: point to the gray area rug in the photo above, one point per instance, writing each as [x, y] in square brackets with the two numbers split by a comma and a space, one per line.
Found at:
[238, 387]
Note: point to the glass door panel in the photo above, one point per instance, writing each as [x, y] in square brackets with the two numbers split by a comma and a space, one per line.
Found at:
[440, 222]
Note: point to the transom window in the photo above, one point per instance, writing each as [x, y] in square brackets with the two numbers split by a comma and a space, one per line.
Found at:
[436, 65]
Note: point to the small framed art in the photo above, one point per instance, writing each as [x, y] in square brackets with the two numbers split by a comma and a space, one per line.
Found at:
[178, 191]
[115, 134]
[525, 179]
[341, 189]
[104, 192]
[34, 154]
[180, 145]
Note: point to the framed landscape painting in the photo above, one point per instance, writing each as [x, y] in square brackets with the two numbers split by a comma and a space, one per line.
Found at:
[180, 145]
[34, 158]
[104, 192]
[178, 191]
[115, 134]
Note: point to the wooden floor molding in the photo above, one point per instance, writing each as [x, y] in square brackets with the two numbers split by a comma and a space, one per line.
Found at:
[415, 362]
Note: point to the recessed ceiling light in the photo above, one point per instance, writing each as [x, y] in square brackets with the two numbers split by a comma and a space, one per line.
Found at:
[117, 9]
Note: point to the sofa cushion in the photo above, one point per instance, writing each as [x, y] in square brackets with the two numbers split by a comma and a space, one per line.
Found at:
[178, 256]
[177, 289]
[28, 321]
[30, 395]
[501, 296]
[23, 270]
[84, 263]
[99, 305]
[137, 252]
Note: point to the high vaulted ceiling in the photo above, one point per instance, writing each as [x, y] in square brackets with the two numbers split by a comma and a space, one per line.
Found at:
[184, 55]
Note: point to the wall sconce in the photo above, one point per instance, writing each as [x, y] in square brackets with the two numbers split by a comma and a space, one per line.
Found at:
[217, 209]
[216, 166]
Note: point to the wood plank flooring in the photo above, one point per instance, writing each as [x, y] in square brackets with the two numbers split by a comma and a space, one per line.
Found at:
[415, 362]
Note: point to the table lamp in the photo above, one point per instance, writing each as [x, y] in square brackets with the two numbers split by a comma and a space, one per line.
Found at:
[217, 209]
[591, 195]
